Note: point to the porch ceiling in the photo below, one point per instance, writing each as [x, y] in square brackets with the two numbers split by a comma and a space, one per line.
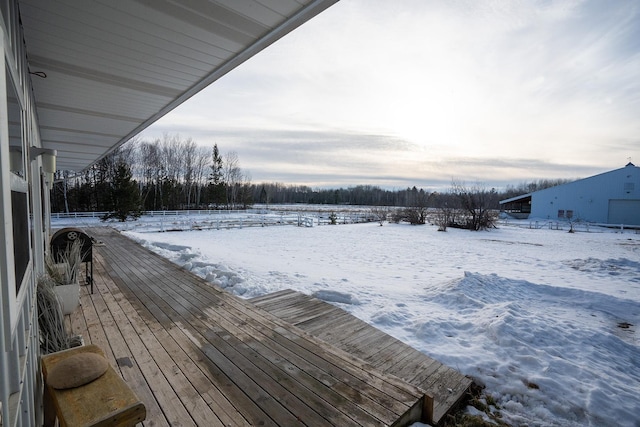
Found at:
[113, 67]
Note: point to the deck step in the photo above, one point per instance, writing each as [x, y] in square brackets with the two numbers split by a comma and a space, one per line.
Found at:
[343, 330]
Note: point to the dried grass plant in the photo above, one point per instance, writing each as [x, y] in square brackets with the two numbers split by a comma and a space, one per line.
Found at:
[65, 272]
[53, 334]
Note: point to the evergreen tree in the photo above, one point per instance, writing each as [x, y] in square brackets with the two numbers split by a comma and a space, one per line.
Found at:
[217, 193]
[264, 196]
[123, 195]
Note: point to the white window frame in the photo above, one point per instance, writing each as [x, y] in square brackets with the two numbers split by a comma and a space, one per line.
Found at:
[11, 300]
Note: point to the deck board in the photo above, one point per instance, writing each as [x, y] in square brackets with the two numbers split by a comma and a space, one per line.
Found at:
[196, 355]
[228, 328]
[101, 331]
[382, 351]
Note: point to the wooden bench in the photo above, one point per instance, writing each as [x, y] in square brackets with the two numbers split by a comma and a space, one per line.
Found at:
[106, 401]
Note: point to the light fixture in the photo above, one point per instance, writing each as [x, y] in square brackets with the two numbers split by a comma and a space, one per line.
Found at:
[48, 158]
[15, 159]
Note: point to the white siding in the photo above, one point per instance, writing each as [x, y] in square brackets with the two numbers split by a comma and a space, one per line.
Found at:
[20, 196]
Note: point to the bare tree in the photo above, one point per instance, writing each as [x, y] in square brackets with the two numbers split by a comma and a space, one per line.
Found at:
[415, 213]
[445, 211]
[381, 213]
[188, 150]
[475, 203]
[202, 162]
[232, 177]
[245, 194]
[151, 173]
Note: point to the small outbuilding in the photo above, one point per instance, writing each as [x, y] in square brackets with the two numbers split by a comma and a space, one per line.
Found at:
[609, 198]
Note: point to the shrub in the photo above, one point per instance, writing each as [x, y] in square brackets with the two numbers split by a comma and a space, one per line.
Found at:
[475, 207]
[381, 213]
[415, 215]
[333, 218]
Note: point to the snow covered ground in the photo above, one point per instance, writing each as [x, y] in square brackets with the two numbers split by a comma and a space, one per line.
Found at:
[548, 321]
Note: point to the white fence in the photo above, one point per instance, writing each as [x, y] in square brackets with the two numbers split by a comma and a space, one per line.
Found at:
[98, 215]
[215, 219]
[576, 225]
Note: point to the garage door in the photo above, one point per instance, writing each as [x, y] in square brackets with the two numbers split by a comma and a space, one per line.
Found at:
[624, 212]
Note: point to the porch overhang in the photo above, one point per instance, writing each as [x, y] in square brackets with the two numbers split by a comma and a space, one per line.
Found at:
[115, 67]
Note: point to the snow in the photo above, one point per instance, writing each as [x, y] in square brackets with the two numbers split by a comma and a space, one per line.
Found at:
[546, 320]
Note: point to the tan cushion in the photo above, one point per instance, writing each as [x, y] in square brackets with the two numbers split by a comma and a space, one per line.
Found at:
[77, 370]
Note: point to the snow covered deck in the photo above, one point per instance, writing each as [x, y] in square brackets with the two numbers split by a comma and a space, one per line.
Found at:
[382, 351]
[196, 355]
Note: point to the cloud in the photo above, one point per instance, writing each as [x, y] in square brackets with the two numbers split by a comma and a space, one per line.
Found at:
[391, 93]
[326, 159]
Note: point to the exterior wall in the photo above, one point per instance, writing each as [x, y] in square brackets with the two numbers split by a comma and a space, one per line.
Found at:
[22, 230]
[589, 198]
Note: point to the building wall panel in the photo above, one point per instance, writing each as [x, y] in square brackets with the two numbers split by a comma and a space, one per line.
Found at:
[624, 212]
[587, 199]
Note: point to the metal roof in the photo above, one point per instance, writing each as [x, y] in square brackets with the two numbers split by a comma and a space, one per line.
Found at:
[515, 199]
[113, 67]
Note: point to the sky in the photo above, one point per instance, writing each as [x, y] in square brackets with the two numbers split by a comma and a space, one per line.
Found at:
[422, 92]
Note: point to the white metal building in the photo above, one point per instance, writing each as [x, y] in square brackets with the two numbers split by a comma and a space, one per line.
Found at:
[78, 78]
[609, 198]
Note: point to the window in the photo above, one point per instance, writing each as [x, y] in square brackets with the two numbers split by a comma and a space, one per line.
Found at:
[20, 206]
[21, 235]
[629, 187]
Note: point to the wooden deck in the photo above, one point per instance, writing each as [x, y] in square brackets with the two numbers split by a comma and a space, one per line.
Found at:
[196, 355]
[380, 350]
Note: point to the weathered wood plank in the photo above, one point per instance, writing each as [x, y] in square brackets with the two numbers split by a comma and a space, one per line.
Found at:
[297, 313]
[232, 363]
[185, 355]
[143, 345]
[445, 384]
[274, 296]
[213, 315]
[222, 386]
[234, 358]
[264, 322]
[327, 328]
[136, 363]
[132, 375]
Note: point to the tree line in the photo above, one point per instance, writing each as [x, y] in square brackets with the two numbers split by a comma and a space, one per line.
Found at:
[168, 173]
[173, 173]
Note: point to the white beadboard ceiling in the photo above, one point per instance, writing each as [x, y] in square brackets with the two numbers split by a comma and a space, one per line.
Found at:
[113, 67]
